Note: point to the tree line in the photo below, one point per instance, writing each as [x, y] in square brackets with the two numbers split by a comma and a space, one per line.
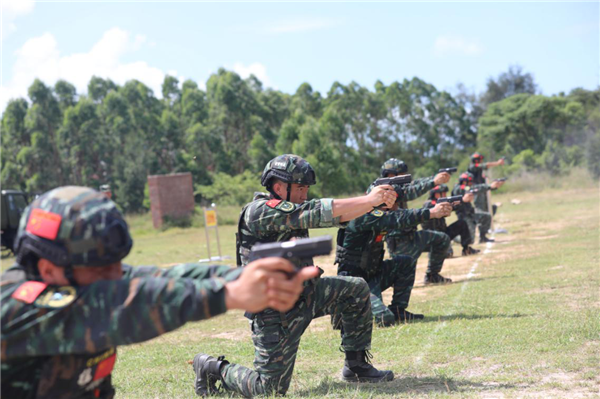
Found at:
[224, 135]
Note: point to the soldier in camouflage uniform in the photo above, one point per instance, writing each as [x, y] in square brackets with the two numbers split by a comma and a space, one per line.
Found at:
[282, 215]
[476, 168]
[470, 215]
[69, 302]
[458, 228]
[360, 253]
[410, 242]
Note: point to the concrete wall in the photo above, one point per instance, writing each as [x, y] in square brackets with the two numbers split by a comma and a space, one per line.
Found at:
[170, 195]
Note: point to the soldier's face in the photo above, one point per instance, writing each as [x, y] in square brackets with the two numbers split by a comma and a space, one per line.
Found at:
[55, 275]
[298, 192]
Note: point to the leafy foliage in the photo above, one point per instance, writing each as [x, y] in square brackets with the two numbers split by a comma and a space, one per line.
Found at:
[224, 136]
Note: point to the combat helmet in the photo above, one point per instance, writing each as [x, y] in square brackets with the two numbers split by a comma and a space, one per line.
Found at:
[72, 226]
[394, 166]
[465, 178]
[476, 158]
[288, 168]
[442, 188]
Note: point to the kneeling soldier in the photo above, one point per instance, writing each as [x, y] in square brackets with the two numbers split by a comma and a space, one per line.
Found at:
[280, 216]
[360, 253]
[467, 212]
[69, 302]
[457, 228]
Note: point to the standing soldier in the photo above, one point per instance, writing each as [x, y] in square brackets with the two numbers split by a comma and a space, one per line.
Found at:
[458, 228]
[466, 212]
[69, 302]
[408, 241]
[360, 253]
[476, 168]
[279, 216]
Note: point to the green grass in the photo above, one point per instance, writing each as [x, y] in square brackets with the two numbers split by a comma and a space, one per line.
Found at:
[525, 324]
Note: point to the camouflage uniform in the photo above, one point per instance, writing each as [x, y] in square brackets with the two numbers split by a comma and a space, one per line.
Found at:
[410, 242]
[61, 341]
[360, 253]
[458, 228]
[466, 211]
[476, 168]
[275, 335]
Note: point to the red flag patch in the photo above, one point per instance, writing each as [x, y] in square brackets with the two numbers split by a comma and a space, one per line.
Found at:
[273, 203]
[29, 291]
[105, 367]
[44, 224]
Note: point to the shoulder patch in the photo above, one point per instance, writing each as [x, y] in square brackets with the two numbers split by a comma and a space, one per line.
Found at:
[273, 203]
[286, 206]
[57, 297]
[377, 212]
[29, 291]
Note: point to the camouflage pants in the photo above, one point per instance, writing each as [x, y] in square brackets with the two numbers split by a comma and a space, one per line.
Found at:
[399, 273]
[276, 338]
[483, 219]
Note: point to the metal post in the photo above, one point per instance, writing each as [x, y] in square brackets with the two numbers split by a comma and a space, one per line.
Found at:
[207, 238]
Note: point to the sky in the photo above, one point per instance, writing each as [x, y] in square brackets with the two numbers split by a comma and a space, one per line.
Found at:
[287, 44]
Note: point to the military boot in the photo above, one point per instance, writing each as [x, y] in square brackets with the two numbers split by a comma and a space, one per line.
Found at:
[402, 315]
[208, 372]
[468, 250]
[358, 368]
[483, 239]
[436, 278]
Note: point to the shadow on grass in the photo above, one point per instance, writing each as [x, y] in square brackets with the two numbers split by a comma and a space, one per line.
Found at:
[410, 385]
[462, 316]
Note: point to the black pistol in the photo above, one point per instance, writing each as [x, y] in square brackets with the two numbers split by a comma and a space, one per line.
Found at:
[451, 200]
[501, 179]
[447, 170]
[397, 181]
[294, 251]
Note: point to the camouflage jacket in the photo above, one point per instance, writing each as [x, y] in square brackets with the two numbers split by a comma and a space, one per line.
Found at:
[433, 224]
[466, 208]
[477, 170]
[360, 250]
[270, 220]
[61, 341]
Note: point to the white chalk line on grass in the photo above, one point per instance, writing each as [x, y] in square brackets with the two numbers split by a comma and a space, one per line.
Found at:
[427, 347]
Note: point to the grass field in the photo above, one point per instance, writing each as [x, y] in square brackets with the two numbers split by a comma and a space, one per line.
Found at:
[521, 320]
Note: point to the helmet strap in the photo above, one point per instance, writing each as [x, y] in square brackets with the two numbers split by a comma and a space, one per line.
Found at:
[289, 191]
[69, 274]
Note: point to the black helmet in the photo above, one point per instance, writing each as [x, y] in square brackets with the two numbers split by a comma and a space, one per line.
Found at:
[72, 226]
[442, 188]
[288, 168]
[466, 178]
[476, 158]
[394, 166]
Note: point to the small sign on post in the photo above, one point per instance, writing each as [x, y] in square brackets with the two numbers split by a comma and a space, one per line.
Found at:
[210, 222]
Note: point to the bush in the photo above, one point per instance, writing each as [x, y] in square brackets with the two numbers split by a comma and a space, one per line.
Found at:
[230, 190]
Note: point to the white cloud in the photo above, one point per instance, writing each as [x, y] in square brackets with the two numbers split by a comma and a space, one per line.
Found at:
[300, 25]
[257, 69]
[452, 45]
[40, 58]
[11, 9]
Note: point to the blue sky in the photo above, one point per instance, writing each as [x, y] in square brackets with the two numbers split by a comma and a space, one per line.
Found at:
[286, 44]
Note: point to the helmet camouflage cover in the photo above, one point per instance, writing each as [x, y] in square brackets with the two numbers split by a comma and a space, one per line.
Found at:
[466, 177]
[394, 166]
[442, 188]
[476, 157]
[73, 226]
[288, 168]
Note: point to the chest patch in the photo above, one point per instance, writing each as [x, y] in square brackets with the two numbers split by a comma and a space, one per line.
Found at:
[377, 213]
[57, 297]
[29, 291]
[380, 236]
[285, 206]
